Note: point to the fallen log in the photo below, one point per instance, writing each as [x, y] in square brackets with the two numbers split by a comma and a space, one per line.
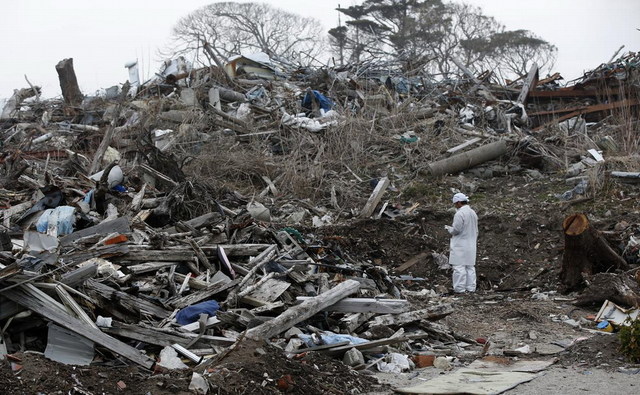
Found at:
[304, 310]
[621, 289]
[586, 252]
[469, 159]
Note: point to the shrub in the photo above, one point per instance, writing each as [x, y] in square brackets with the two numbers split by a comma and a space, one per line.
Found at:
[630, 340]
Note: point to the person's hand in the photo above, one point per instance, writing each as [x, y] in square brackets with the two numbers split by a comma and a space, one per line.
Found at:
[448, 228]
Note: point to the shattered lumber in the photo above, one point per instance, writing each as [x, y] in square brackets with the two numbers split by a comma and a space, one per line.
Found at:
[304, 310]
[585, 252]
[38, 302]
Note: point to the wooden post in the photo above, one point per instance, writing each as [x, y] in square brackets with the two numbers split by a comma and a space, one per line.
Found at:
[375, 198]
[304, 310]
[68, 82]
[585, 252]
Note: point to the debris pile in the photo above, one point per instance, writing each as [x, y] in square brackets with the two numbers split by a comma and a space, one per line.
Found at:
[180, 219]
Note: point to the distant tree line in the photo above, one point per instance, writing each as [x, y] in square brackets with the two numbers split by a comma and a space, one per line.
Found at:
[416, 36]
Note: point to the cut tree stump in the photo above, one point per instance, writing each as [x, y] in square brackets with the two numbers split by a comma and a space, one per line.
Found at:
[586, 252]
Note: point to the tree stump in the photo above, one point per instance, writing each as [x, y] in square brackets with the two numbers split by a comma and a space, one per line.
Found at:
[586, 252]
[69, 83]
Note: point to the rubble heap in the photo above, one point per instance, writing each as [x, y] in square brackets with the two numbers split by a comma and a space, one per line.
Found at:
[181, 217]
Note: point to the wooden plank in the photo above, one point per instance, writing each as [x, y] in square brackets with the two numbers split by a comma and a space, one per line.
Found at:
[163, 337]
[366, 305]
[80, 275]
[130, 302]
[319, 348]
[375, 198]
[157, 256]
[411, 262]
[198, 222]
[591, 109]
[118, 225]
[195, 326]
[108, 251]
[573, 93]
[464, 145]
[201, 295]
[529, 84]
[149, 267]
[377, 343]
[53, 311]
[304, 310]
[269, 290]
[202, 258]
[430, 313]
[212, 249]
[157, 175]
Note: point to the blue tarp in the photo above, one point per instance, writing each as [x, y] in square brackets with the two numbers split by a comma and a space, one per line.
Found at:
[192, 313]
[325, 103]
[65, 220]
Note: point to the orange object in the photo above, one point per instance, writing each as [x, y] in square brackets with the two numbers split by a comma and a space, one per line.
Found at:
[423, 361]
[285, 382]
[116, 240]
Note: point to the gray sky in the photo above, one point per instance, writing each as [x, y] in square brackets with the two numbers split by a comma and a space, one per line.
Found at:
[102, 36]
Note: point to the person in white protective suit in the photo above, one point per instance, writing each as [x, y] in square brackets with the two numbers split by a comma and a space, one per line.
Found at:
[464, 238]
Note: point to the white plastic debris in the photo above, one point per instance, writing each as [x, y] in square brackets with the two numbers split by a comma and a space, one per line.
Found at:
[395, 363]
[169, 359]
[198, 384]
[104, 322]
[114, 179]
[259, 211]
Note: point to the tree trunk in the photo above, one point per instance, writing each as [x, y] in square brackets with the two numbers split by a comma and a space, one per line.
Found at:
[469, 159]
[586, 252]
[68, 82]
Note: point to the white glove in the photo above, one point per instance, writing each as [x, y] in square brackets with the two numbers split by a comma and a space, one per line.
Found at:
[448, 228]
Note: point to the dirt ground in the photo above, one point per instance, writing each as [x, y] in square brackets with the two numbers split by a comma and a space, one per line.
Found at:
[518, 302]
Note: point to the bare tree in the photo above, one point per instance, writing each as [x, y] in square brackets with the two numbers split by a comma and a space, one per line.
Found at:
[231, 28]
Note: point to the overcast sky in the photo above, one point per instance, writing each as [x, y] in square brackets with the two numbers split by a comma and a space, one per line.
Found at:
[102, 36]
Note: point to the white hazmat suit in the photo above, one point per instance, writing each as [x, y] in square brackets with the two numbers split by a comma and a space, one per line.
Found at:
[462, 249]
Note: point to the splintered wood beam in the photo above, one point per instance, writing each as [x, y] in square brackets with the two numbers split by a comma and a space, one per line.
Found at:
[529, 84]
[304, 310]
[412, 261]
[375, 198]
[203, 294]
